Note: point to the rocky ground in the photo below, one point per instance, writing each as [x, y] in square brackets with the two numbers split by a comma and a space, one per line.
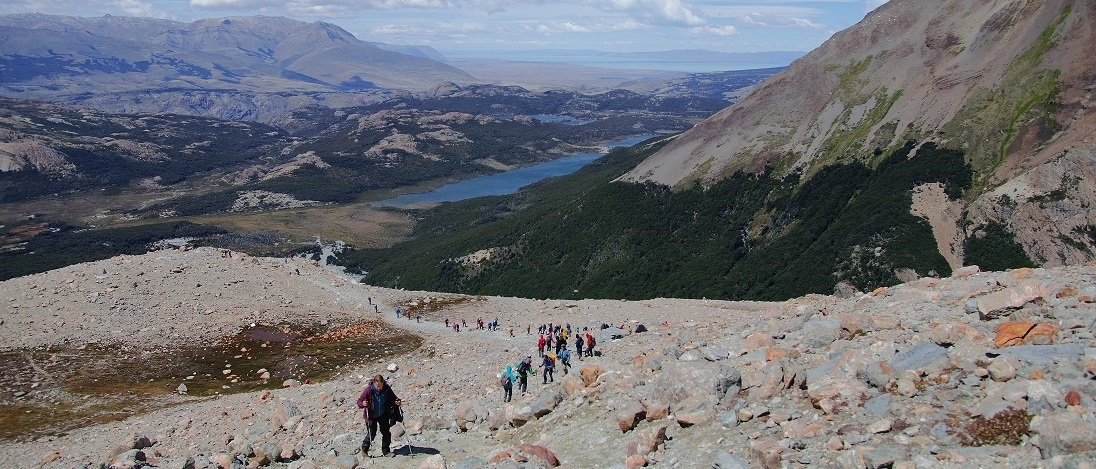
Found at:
[978, 370]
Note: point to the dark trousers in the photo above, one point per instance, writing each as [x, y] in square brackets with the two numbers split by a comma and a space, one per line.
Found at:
[523, 383]
[578, 348]
[548, 375]
[384, 424]
[507, 393]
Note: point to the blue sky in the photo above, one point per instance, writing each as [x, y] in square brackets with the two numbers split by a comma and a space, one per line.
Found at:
[466, 27]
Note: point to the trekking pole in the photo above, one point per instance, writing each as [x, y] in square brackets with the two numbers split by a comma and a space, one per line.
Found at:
[407, 433]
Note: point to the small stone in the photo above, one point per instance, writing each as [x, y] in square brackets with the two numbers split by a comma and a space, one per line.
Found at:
[1073, 398]
[834, 444]
[881, 426]
[1001, 369]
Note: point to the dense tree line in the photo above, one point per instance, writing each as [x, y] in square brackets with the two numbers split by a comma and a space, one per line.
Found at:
[747, 237]
[68, 245]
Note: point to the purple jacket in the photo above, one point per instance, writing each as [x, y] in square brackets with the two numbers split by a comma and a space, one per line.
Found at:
[365, 402]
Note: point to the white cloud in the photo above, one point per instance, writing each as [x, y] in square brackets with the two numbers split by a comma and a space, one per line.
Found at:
[759, 19]
[713, 30]
[659, 11]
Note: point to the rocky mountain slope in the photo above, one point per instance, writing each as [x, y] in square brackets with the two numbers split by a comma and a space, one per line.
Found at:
[55, 56]
[977, 370]
[1008, 83]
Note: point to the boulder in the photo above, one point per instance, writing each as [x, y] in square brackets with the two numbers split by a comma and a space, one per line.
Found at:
[541, 453]
[657, 410]
[497, 420]
[1042, 354]
[878, 374]
[647, 440]
[697, 409]
[999, 303]
[1012, 333]
[759, 340]
[819, 333]
[130, 459]
[630, 415]
[635, 461]
[679, 381]
[571, 384]
[766, 454]
[885, 456]
[547, 400]
[469, 412]
[1062, 434]
[726, 460]
[590, 374]
[434, 461]
[286, 410]
[921, 357]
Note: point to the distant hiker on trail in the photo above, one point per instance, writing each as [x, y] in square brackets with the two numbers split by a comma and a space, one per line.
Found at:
[446, 322]
[540, 345]
[381, 411]
[565, 358]
[506, 379]
[549, 365]
[561, 343]
[589, 345]
[578, 345]
[524, 368]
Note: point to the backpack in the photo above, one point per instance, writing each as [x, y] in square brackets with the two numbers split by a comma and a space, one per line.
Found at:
[504, 380]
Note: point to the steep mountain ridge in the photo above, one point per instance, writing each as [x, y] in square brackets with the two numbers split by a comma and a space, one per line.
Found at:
[1007, 83]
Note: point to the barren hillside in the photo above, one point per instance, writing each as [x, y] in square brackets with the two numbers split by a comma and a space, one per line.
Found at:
[978, 370]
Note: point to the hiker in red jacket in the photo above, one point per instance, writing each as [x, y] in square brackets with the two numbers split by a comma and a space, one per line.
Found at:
[589, 345]
[540, 344]
[381, 411]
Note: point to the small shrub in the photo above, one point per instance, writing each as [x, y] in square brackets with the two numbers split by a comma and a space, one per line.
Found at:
[1006, 428]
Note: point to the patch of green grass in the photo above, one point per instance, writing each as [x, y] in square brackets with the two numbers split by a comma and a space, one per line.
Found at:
[989, 123]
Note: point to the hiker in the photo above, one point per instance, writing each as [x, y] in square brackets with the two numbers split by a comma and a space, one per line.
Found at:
[561, 343]
[565, 358]
[381, 411]
[589, 345]
[549, 365]
[524, 368]
[578, 345]
[506, 379]
[540, 344]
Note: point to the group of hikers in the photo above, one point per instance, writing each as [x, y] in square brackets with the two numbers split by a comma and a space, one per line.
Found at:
[550, 337]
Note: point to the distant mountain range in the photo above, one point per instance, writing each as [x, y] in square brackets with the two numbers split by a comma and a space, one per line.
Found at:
[49, 56]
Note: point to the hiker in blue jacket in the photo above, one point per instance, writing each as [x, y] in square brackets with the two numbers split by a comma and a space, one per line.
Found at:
[381, 410]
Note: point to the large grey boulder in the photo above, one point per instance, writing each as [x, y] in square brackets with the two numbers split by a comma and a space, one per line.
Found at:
[1062, 433]
[680, 381]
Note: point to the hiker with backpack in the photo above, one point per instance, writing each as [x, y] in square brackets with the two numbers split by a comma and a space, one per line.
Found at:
[524, 369]
[540, 344]
[589, 345]
[549, 365]
[578, 345]
[506, 379]
[381, 410]
[565, 358]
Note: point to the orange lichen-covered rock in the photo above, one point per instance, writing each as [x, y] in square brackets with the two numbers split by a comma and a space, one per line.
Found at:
[1022, 332]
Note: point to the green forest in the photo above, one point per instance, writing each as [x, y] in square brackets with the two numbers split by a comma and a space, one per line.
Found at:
[747, 237]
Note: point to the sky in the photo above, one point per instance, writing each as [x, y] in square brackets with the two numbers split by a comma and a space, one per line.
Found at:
[479, 28]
